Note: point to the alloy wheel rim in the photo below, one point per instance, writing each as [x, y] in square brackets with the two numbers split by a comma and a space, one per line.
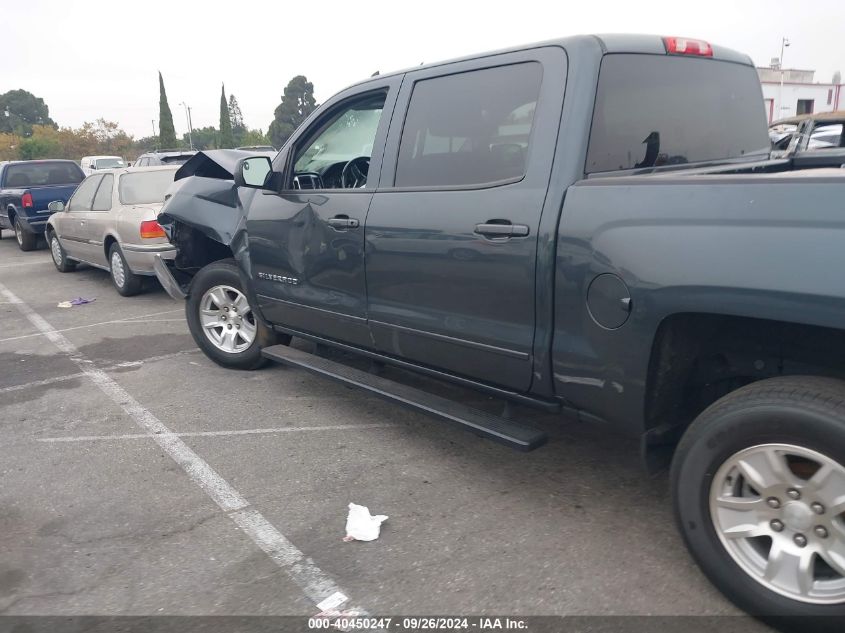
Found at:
[779, 512]
[227, 320]
[56, 250]
[18, 233]
[117, 271]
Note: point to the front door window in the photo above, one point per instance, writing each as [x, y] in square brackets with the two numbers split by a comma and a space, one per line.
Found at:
[337, 155]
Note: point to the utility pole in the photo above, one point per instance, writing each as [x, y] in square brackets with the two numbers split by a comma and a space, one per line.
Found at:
[783, 44]
[155, 136]
[190, 126]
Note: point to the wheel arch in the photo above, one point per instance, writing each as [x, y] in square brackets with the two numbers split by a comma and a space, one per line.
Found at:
[697, 358]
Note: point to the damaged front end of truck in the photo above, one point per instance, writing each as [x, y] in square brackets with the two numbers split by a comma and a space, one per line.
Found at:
[204, 218]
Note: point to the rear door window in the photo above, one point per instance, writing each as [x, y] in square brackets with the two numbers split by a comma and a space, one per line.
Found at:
[102, 200]
[83, 197]
[657, 110]
[469, 128]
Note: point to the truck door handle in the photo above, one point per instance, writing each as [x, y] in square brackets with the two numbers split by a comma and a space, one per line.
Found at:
[501, 228]
[343, 222]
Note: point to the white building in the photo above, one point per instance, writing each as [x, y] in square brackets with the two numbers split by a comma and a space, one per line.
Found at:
[798, 93]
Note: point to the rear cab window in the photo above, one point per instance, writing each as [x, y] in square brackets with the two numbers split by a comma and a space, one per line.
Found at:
[43, 174]
[659, 110]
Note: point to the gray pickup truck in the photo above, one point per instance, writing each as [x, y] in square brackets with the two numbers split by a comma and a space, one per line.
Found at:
[592, 225]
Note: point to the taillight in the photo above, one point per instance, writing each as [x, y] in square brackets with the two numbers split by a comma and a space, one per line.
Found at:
[685, 46]
[26, 200]
[151, 228]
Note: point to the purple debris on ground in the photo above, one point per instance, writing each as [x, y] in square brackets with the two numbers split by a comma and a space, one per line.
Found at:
[82, 300]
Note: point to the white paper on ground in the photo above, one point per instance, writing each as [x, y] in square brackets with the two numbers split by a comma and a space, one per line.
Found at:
[361, 525]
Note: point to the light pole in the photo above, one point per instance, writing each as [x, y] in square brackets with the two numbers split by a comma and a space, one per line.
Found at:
[153, 123]
[783, 44]
[190, 126]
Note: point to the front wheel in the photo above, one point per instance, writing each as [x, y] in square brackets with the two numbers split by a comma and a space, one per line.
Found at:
[62, 263]
[759, 491]
[221, 320]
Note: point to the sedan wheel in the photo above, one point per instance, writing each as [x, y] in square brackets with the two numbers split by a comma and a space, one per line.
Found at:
[227, 319]
[63, 264]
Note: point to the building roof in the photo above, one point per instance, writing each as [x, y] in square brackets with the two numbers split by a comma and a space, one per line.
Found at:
[838, 116]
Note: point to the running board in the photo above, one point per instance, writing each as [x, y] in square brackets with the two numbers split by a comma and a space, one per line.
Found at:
[510, 433]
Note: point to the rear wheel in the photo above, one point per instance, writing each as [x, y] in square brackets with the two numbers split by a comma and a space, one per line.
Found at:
[222, 322]
[123, 279]
[759, 491]
[27, 241]
[63, 264]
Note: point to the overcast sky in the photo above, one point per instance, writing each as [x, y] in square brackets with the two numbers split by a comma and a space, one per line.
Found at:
[100, 59]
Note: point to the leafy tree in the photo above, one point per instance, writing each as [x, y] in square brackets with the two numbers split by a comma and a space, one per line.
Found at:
[254, 137]
[297, 103]
[226, 140]
[237, 119]
[166, 131]
[204, 138]
[9, 146]
[24, 110]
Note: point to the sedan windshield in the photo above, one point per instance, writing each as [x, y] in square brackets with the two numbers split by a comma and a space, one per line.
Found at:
[145, 187]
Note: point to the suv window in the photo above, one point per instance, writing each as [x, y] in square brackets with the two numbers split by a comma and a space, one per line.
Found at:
[469, 128]
[83, 197]
[102, 201]
[321, 162]
[655, 110]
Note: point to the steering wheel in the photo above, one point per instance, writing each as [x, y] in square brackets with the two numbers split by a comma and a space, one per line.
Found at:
[354, 174]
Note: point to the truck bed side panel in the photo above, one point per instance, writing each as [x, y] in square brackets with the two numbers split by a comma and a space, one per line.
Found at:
[753, 246]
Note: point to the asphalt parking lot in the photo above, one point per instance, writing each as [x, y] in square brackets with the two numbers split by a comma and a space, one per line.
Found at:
[100, 516]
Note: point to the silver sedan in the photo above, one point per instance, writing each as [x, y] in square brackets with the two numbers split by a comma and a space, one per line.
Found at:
[110, 223]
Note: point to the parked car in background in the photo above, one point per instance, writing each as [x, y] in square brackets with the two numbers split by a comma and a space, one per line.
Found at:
[646, 266]
[26, 189]
[258, 148]
[90, 164]
[164, 157]
[810, 139]
[110, 223]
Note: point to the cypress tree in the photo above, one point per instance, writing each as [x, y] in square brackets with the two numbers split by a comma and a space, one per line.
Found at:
[166, 131]
[226, 141]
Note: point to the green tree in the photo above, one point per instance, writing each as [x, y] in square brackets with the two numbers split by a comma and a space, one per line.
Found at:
[20, 110]
[226, 140]
[237, 119]
[166, 131]
[297, 103]
[254, 137]
[204, 138]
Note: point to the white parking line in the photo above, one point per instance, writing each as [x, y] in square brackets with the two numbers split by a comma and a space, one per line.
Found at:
[315, 584]
[281, 429]
[66, 377]
[82, 327]
[27, 263]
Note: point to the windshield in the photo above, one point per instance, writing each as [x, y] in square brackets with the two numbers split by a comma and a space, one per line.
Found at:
[147, 187]
[109, 163]
[43, 174]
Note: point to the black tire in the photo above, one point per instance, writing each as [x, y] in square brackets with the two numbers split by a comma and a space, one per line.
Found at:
[58, 254]
[27, 241]
[225, 273]
[131, 284]
[807, 412]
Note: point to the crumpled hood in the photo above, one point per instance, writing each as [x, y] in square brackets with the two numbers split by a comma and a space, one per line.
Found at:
[215, 163]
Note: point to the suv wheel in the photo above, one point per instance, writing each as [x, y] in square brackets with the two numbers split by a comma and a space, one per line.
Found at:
[221, 320]
[124, 280]
[759, 490]
[63, 264]
[26, 241]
